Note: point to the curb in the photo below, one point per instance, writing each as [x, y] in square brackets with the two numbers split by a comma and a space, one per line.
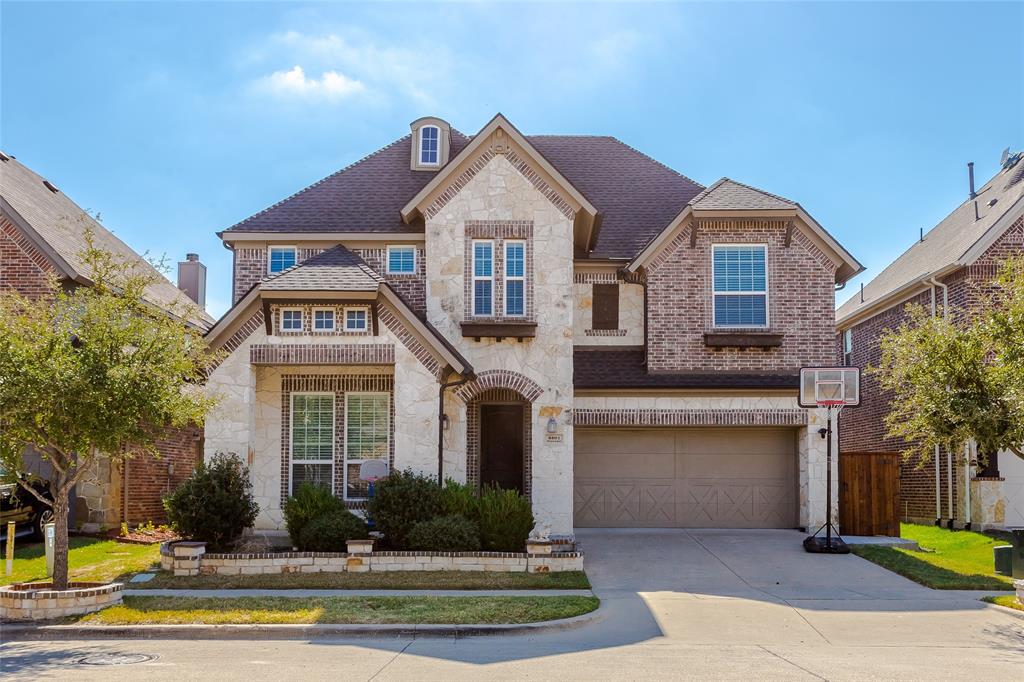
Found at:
[17, 632]
[1016, 613]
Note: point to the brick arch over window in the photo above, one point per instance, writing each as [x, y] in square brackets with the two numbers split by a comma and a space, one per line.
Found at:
[500, 378]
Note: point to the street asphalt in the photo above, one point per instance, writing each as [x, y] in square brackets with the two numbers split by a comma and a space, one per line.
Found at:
[676, 604]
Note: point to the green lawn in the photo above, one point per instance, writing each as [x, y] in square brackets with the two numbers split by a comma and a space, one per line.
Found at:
[1009, 602]
[397, 580]
[368, 610]
[952, 560]
[89, 559]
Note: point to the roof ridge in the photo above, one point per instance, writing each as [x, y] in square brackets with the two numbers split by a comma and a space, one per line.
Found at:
[320, 181]
[707, 190]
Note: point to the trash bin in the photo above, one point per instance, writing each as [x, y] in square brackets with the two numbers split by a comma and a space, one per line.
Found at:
[1004, 559]
[1018, 554]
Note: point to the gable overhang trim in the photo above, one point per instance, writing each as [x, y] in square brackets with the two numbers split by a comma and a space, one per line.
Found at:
[586, 225]
[993, 233]
[896, 297]
[428, 335]
[41, 244]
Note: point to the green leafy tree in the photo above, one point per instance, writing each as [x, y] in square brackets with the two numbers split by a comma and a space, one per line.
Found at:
[94, 372]
[959, 378]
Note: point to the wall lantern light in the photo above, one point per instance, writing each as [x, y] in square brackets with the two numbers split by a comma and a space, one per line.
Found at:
[552, 425]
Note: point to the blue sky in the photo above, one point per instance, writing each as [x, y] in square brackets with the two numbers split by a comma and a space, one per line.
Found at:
[175, 120]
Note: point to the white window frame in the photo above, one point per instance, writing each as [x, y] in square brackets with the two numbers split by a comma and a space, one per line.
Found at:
[281, 247]
[395, 247]
[302, 320]
[474, 278]
[366, 319]
[714, 293]
[387, 446]
[507, 278]
[334, 320]
[419, 148]
[291, 438]
[847, 346]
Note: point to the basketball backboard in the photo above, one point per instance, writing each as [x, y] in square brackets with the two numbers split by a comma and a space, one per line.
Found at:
[829, 387]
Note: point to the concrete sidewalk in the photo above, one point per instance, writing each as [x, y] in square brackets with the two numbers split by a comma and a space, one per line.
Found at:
[298, 594]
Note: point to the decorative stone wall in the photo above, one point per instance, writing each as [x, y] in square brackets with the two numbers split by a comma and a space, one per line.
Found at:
[35, 601]
[631, 314]
[495, 189]
[196, 562]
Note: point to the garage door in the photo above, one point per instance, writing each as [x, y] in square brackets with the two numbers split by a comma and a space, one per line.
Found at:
[685, 478]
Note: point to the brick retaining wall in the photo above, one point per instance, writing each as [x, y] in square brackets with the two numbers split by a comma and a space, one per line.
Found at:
[28, 601]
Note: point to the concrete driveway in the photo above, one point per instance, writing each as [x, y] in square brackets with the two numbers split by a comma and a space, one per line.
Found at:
[676, 604]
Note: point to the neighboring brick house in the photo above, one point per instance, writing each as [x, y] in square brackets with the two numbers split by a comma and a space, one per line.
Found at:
[562, 315]
[948, 264]
[43, 235]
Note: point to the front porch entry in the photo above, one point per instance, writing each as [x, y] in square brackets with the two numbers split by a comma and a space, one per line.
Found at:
[501, 446]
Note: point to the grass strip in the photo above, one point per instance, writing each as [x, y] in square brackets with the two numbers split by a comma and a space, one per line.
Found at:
[395, 580]
[354, 610]
[1009, 601]
[89, 559]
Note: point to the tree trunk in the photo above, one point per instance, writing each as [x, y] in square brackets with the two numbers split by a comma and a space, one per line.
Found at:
[60, 539]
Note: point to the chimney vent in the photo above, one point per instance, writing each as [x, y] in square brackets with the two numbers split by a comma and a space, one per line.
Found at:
[970, 175]
[192, 279]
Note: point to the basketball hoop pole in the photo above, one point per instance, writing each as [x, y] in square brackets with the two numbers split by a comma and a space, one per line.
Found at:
[813, 542]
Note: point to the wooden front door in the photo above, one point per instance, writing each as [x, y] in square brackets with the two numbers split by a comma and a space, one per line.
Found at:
[501, 446]
[869, 493]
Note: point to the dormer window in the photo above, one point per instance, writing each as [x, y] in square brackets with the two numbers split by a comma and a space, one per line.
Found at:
[430, 145]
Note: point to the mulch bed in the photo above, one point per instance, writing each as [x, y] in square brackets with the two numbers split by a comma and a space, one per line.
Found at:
[144, 537]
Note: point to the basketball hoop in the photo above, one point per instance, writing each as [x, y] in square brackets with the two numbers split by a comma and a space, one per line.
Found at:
[831, 388]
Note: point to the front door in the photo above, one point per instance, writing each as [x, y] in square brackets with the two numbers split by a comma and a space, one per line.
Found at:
[501, 446]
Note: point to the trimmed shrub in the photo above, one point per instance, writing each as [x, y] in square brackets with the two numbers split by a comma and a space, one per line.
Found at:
[328, 533]
[445, 534]
[506, 519]
[214, 504]
[402, 500]
[460, 499]
[309, 502]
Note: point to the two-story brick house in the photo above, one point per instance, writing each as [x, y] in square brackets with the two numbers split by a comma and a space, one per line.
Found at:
[942, 271]
[558, 314]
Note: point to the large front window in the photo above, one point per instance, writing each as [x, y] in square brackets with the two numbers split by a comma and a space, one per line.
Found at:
[515, 278]
[312, 434]
[367, 433]
[483, 278]
[740, 285]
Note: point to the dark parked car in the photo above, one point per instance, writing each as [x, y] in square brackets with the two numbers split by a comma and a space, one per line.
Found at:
[20, 506]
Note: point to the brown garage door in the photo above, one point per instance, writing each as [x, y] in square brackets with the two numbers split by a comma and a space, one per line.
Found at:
[685, 478]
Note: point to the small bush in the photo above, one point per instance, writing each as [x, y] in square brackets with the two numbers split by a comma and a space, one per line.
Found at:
[329, 533]
[460, 499]
[445, 534]
[309, 502]
[506, 519]
[402, 500]
[214, 504]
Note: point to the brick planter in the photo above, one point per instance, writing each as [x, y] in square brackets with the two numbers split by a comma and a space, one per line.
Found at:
[36, 601]
[361, 558]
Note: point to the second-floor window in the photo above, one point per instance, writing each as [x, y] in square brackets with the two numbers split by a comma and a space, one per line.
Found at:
[740, 285]
[355, 319]
[323, 320]
[281, 258]
[401, 260]
[430, 149]
[605, 308]
[483, 278]
[515, 278]
[291, 320]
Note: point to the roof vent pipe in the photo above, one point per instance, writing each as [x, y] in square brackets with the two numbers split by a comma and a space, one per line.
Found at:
[862, 292]
[970, 176]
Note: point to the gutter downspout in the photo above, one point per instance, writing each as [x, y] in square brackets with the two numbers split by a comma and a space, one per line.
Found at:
[440, 422]
[949, 455]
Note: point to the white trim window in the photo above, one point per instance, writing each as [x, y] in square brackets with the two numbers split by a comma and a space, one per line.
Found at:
[367, 436]
[848, 347]
[356, 319]
[312, 440]
[280, 258]
[401, 260]
[430, 145]
[323, 320]
[515, 278]
[291, 319]
[740, 285]
[483, 278]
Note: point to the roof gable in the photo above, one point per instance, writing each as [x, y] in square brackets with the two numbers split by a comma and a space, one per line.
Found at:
[336, 269]
[729, 195]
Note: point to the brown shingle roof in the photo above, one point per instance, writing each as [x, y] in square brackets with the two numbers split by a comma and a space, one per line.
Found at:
[727, 194]
[625, 368]
[635, 195]
[946, 243]
[336, 269]
[62, 225]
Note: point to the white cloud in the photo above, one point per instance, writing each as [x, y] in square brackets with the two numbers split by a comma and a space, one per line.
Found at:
[295, 83]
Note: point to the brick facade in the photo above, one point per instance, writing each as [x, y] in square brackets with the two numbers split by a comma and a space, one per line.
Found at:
[147, 480]
[22, 266]
[800, 300]
[863, 429]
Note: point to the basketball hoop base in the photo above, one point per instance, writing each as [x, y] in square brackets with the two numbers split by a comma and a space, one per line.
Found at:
[815, 544]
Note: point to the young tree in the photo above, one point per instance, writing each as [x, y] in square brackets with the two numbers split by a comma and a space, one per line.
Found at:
[959, 378]
[94, 372]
